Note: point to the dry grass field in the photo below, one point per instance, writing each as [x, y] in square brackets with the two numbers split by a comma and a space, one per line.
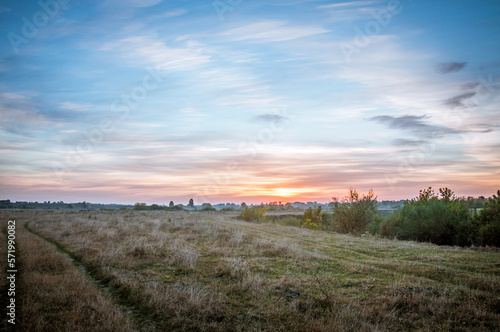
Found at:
[207, 271]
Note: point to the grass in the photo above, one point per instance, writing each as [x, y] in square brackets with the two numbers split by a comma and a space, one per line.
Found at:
[52, 294]
[209, 272]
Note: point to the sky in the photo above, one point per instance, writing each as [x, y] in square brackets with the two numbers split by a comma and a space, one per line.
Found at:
[256, 101]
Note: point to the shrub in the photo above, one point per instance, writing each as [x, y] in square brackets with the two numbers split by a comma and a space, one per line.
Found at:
[312, 218]
[388, 226]
[487, 222]
[374, 226]
[327, 220]
[355, 212]
[428, 218]
[255, 213]
[432, 221]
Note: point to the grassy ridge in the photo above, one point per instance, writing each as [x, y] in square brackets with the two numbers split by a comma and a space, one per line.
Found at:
[208, 271]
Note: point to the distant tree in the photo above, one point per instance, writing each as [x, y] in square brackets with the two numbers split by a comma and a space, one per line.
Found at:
[243, 205]
[354, 212]
[255, 213]
[140, 206]
[207, 207]
[191, 203]
[447, 195]
[171, 204]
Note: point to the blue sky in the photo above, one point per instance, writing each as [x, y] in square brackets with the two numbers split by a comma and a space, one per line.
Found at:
[229, 101]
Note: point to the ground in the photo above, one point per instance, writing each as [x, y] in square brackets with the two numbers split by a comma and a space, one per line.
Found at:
[207, 271]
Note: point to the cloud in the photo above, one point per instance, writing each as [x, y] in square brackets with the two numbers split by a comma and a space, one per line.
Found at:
[164, 57]
[459, 101]
[135, 3]
[270, 117]
[169, 14]
[348, 4]
[450, 67]
[408, 142]
[414, 124]
[271, 31]
[76, 107]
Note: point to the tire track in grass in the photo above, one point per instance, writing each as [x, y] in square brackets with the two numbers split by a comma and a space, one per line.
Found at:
[133, 311]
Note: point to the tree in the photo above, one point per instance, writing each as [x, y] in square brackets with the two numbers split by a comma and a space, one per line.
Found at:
[255, 213]
[140, 206]
[355, 212]
[443, 220]
[191, 203]
[487, 222]
[243, 205]
[171, 204]
[447, 195]
[207, 207]
[312, 218]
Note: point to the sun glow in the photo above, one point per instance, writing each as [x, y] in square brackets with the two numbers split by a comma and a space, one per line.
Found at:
[286, 192]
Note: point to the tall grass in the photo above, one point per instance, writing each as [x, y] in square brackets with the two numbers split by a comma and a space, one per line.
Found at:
[209, 272]
[56, 296]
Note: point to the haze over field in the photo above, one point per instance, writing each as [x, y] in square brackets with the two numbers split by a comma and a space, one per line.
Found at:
[291, 100]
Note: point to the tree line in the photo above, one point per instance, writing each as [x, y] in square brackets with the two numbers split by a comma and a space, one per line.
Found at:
[441, 218]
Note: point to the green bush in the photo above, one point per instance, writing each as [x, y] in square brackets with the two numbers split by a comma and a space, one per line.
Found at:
[327, 220]
[487, 222]
[255, 213]
[375, 225]
[355, 212]
[429, 218]
[433, 221]
[312, 218]
[389, 224]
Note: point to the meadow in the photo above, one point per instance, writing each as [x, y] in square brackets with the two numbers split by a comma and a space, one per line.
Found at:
[207, 271]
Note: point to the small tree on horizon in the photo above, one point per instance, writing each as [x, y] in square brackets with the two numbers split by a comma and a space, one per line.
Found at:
[171, 204]
[354, 212]
[191, 203]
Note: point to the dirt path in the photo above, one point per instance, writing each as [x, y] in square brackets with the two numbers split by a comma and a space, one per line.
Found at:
[55, 295]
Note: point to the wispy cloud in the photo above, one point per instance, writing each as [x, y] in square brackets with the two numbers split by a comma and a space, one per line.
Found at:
[450, 67]
[271, 31]
[348, 4]
[460, 101]
[169, 14]
[148, 49]
[415, 124]
[270, 117]
[135, 3]
[76, 107]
